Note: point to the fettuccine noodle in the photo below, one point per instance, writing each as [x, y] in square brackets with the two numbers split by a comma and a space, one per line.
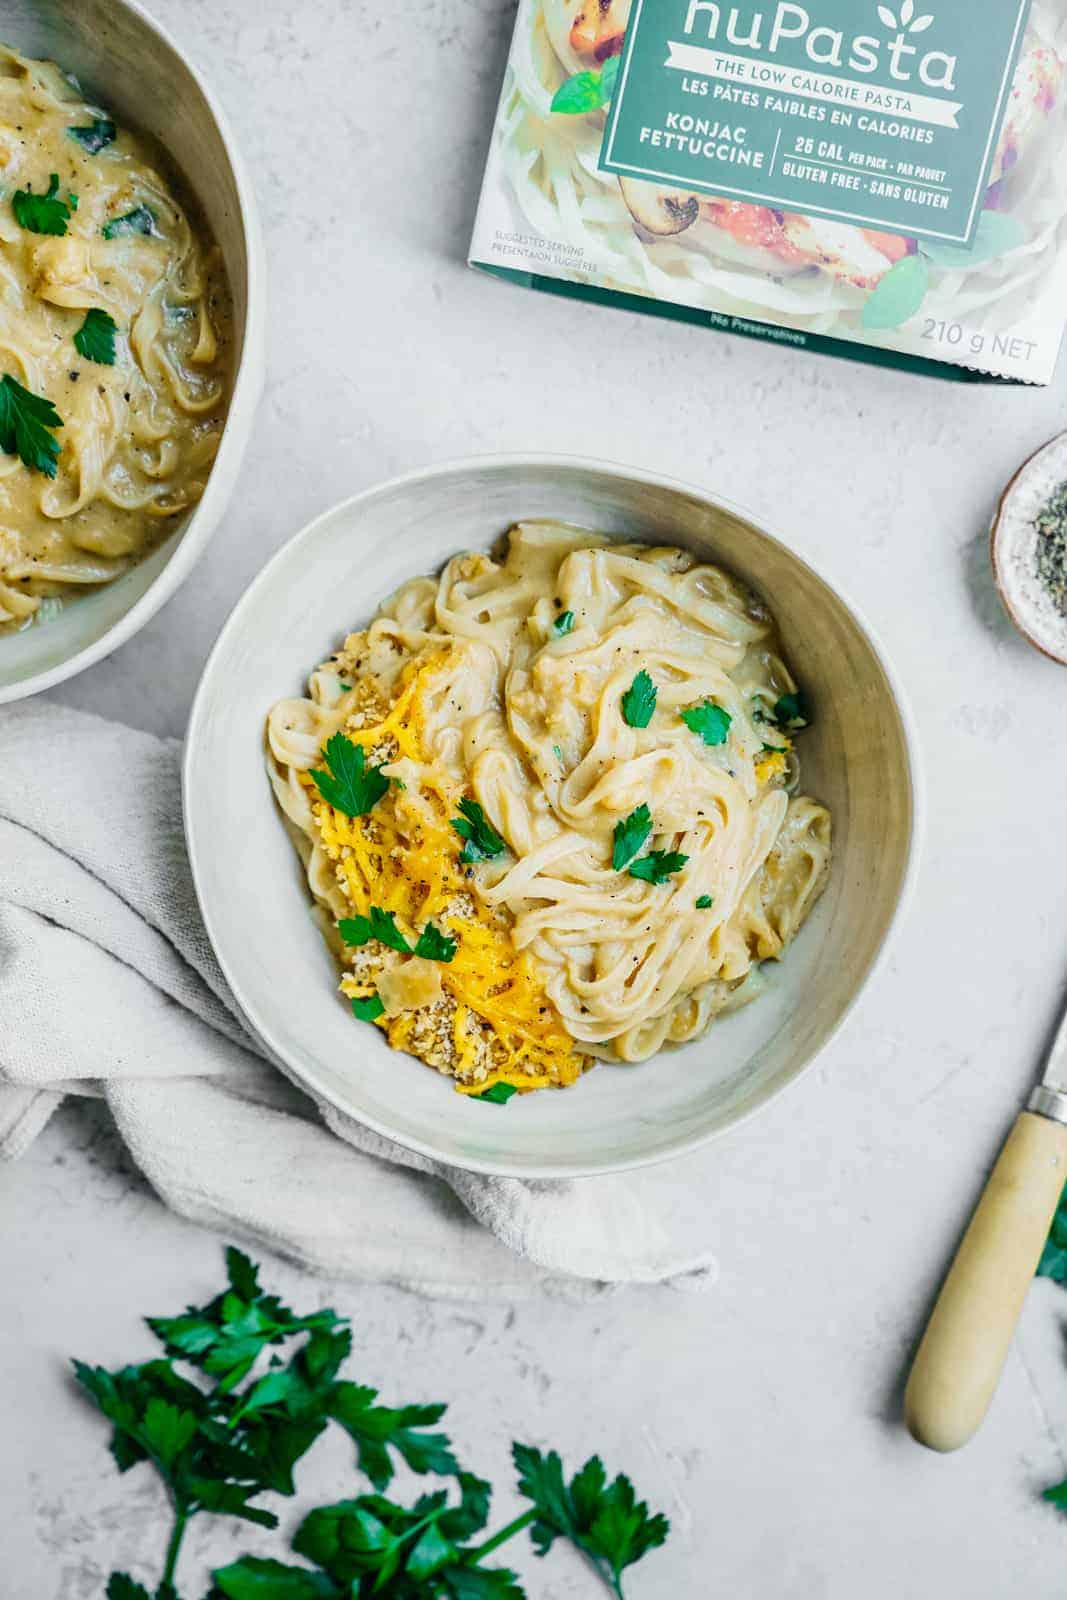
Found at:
[503, 682]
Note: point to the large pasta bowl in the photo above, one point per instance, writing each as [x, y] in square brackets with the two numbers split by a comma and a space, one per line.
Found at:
[859, 759]
[125, 61]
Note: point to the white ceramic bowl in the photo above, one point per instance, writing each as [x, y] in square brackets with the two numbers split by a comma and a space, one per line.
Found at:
[125, 60]
[328, 580]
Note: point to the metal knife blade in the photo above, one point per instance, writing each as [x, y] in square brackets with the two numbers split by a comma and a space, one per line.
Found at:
[1055, 1074]
[1049, 1099]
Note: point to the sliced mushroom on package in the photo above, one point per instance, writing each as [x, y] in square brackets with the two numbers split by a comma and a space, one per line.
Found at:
[883, 179]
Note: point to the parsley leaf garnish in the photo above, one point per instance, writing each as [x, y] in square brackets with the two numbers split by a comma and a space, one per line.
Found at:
[26, 424]
[93, 138]
[139, 220]
[705, 902]
[563, 624]
[482, 840]
[587, 91]
[261, 1578]
[350, 786]
[434, 945]
[43, 213]
[498, 1095]
[658, 866]
[710, 721]
[793, 710]
[375, 1430]
[379, 924]
[371, 1545]
[218, 1447]
[639, 701]
[120, 1586]
[1053, 1263]
[605, 1520]
[577, 96]
[367, 1009]
[631, 836]
[95, 339]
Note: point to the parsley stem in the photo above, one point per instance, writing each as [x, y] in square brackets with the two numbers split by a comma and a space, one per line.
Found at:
[502, 1537]
[181, 1518]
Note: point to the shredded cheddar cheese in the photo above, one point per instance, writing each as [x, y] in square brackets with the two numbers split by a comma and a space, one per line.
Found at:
[771, 766]
[494, 1022]
[525, 1082]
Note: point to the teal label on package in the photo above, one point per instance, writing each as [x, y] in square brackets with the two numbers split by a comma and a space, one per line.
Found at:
[882, 115]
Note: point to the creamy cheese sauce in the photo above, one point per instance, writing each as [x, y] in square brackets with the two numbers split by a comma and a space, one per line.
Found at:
[137, 437]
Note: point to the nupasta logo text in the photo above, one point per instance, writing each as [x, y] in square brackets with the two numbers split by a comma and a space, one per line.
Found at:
[792, 25]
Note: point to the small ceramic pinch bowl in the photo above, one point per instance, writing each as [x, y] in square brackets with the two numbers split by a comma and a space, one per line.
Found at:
[858, 757]
[126, 62]
[1014, 544]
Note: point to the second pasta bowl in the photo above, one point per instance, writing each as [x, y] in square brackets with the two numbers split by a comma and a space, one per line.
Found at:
[524, 944]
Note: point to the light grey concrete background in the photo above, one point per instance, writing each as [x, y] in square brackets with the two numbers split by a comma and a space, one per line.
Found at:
[765, 1415]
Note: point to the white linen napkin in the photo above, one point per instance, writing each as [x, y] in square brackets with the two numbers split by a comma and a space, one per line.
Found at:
[109, 986]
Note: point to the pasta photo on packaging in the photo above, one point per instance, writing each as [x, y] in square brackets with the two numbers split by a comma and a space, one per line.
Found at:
[878, 180]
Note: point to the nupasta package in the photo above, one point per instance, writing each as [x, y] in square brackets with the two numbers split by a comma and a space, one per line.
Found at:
[886, 181]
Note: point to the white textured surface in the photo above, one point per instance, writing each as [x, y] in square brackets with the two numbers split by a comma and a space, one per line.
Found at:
[769, 1408]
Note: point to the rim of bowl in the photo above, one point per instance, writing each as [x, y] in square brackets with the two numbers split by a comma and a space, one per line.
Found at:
[247, 384]
[519, 462]
[998, 539]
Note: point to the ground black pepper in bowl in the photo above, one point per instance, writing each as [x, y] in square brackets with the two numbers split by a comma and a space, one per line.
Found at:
[1051, 552]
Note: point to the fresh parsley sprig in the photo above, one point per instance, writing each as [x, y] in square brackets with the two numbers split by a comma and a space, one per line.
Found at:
[631, 836]
[791, 712]
[377, 924]
[432, 944]
[709, 721]
[370, 1545]
[498, 1095]
[238, 1424]
[95, 339]
[140, 220]
[368, 1008]
[350, 786]
[44, 213]
[482, 842]
[94, 136]
[632, 833]
[639, 701]
[263, 1383]
[606, 1521]
[658, 865]
[27, 424]
[1053, 1263]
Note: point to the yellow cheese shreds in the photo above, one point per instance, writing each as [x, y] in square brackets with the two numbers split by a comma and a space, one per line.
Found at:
[523, 1081]
[770, 766]
[404, 857]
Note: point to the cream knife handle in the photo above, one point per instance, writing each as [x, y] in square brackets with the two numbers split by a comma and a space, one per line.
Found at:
[959, 1361]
